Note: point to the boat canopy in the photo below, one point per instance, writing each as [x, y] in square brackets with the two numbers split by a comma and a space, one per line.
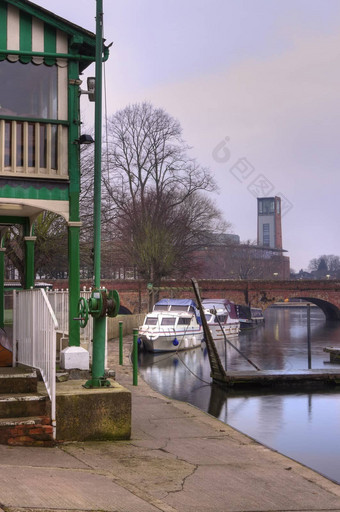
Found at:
[185, 303]
[221, 303]
[176, 302]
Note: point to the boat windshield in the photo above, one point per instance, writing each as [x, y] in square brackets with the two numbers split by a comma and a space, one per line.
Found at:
[168, 321]
[175, 307]
[161, 307]
[208, 317]
[150, 321]
[221, 318]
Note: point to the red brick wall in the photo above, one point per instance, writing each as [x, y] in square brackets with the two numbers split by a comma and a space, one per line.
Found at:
[135, 296]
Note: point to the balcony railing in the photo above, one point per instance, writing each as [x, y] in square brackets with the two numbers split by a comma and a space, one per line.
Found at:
[33, 149]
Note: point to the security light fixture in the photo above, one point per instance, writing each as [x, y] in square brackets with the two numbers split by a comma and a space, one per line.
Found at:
[84, 139]
[91, 88]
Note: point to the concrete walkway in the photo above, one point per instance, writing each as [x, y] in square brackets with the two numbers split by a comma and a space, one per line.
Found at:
[178, 459]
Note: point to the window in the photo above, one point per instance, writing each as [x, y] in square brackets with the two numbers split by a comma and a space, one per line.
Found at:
[150, 321]
[266, 206]
[161, 308]
[266, 235]
[183, 321]
[221, 318]
[179, 308]
[278, 206]
[168, 321]
[28, 90]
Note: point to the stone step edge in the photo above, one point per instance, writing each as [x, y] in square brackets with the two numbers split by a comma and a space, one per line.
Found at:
[29, 420]
[6, 397]
[27, 375]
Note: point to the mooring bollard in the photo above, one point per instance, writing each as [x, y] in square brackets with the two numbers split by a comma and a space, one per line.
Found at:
[135, 357]
[120, 342]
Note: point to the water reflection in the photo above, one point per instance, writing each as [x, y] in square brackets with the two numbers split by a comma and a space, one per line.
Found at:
[303, 426]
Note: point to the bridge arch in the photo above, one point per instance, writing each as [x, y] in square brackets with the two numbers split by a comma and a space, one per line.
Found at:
[331, 311]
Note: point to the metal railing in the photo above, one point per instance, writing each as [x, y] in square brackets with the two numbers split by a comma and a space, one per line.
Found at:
[34, 338]
[59, 300]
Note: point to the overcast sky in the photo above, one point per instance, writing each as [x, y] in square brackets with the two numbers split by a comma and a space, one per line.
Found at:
[255, 85]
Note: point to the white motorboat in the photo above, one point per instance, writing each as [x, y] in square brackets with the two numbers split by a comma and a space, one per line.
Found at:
[221, 316]
[173, 324]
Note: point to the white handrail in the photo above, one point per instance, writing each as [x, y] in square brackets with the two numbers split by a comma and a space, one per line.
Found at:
[35, 326]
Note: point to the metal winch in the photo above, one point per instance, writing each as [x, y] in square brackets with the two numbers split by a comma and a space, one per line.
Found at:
[101, 303]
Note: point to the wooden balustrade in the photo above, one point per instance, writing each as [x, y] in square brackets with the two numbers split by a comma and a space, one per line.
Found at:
[33, 149]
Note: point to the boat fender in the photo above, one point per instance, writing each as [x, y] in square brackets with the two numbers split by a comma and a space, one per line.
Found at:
[175, 342]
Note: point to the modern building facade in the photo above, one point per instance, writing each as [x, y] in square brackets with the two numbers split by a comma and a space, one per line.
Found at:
[269, 228]
[230, 259]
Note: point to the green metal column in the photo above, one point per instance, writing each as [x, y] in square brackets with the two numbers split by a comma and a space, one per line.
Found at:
[99, 324]
[74, 192]
[98, 146]
[74, 282]
[29, 261]
[2, 286]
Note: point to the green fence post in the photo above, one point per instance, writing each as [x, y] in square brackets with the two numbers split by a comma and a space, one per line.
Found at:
[120, 342]
[135, 357]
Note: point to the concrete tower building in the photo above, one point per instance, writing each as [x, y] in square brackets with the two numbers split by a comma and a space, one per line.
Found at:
[269, 230]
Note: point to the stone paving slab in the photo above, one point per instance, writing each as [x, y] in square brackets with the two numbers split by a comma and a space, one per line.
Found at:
[37, 457]
[66, 489]
[179, 459]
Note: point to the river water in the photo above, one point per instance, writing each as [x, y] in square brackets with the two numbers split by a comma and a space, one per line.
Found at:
[303, 426]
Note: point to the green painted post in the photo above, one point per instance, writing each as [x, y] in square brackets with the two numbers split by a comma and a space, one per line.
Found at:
[74, 192]
[98, 354]
[74, 282]
[135, 357]
[98, 147]
[29, 261]
[2, 286]
[99, 324]
[120, 342]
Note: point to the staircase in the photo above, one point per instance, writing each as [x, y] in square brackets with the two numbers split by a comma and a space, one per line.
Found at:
[25, 414]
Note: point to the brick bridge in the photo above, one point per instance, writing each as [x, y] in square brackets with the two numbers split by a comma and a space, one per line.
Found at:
[325, 294]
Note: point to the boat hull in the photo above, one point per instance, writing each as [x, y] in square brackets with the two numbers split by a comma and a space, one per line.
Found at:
[170, 342]
[229, 330]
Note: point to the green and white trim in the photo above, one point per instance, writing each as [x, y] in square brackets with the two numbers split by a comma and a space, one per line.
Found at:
[21, 32]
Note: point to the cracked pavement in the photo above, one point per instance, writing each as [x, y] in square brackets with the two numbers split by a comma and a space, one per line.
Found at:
[178, 459]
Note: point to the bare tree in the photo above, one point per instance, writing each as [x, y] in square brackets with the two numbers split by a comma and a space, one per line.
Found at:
[325, 264]
[155, 193]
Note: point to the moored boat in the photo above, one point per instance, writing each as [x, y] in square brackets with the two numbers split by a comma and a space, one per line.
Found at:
[221, 317]
[257, 315]
[173, 324]
[249, 317]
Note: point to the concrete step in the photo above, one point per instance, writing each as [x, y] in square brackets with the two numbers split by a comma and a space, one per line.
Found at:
[18, 380]
[31, 431]
[24, 405]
